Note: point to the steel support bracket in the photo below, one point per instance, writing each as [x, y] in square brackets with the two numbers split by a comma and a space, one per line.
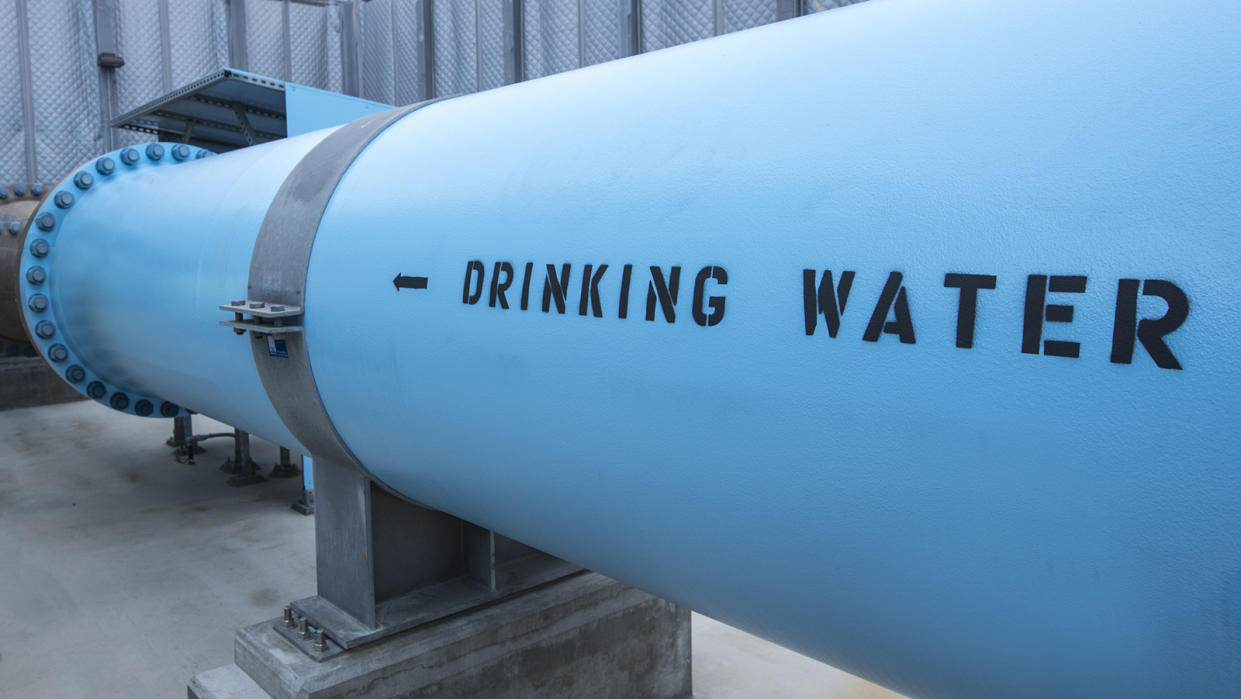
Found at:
[265, 319]
[386, 565]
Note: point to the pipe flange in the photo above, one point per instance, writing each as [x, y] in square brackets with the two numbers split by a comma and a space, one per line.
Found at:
[41, 312]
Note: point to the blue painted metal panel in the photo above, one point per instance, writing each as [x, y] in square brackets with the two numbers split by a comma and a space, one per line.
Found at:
[310, 109]
[1043, 506]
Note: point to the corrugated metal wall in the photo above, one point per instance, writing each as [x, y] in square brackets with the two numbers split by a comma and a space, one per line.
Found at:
[55, 101]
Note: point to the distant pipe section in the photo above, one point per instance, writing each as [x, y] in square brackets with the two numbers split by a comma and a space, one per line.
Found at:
[905, 335]
[17, 205]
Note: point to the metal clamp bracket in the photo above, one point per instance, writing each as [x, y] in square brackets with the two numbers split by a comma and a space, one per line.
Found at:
[265, 318]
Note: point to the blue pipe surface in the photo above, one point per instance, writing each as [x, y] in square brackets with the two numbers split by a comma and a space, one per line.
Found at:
[915, 350]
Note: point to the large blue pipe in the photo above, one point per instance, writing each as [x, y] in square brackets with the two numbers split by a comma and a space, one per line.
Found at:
[993, 453]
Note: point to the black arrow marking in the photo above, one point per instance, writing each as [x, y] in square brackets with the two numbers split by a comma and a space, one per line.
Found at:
[401, 281]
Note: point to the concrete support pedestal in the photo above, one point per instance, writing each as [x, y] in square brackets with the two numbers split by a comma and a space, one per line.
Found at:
[584, 635]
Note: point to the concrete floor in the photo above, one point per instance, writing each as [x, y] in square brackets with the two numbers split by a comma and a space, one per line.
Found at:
[124, 573]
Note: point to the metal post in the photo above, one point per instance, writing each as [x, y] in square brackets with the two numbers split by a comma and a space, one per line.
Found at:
[105, 33]
[286, 39]
[581, 35]
[478, 49]
[350, 58]
[233, 465]
[428, 47]
[243, 469]
[514, 42]
[183, 437]
[108, 59]
[393, 32]
[23, 57]
[165, 45]
[237, 57]
[285, 468]
[631, 28]
[306, 503]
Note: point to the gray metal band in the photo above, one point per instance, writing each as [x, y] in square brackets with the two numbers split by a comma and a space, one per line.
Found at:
[278, 275]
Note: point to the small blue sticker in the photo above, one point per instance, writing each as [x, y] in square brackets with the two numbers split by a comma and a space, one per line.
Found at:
[277, 348]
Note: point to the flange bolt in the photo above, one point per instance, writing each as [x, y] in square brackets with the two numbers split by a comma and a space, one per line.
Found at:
[303, 629]
[4, 193]
[155, 151]
[320, 645]
[36, 275]
[105, 166]
[75, 374]
[168, 409]
[119, 401]
[96, 390]
[38, 303]
[45, 329]
[181, 151]
[19, 191]
[40, 248]
[63, 199]
[57, 353]
[83, 180]
[14, 228]
[203, 154]
[129, 156]
[288, 617]
[143, 408]
[46, 222]
[257, 304]
[36, 190]
[238, 302]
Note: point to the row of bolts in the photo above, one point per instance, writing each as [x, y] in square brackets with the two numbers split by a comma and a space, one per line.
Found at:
[83, 180]
[303, 630]
[36, 190]
[155, 151]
